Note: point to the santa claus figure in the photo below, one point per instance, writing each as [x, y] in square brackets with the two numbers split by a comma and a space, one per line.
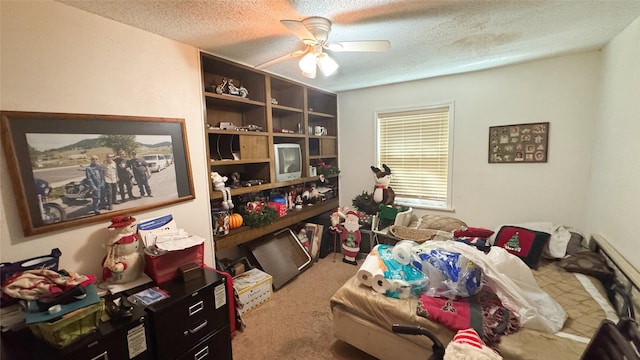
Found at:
[349, 236]
[123, 262]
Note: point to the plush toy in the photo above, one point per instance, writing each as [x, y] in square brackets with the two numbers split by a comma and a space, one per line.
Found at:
[349, 231]
[382, 192]
[123, 262]
[311, 195]
[304, 239]
[219, 185]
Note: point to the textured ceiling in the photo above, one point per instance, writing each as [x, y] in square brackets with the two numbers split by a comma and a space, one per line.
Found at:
[428, 38]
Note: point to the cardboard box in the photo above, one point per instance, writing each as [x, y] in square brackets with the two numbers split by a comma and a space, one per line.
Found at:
[254, 289]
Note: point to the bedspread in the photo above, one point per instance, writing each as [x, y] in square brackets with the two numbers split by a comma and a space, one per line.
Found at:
[582, 298]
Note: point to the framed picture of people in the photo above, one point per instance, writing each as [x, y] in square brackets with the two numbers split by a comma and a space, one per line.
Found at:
[72, 169]
[519, 143]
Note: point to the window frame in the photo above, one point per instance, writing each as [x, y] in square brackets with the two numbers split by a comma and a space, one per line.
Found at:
[415, 202]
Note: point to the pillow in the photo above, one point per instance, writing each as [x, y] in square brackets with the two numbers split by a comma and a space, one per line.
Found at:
[524, 243]
[588, 263]
[472, 232]
[574, 246]
[440, 222]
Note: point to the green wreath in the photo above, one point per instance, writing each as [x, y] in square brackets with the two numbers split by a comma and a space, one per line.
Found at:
[258, 218]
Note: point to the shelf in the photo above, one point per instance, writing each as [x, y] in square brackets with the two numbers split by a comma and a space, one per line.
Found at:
[288, 135]
[286, 108]
[231, 98]
[328, 116]
[323, 156]
[245, 234]
[237, 132]
[274, 104]
[238, 162]
[274, 185]
[323, 137]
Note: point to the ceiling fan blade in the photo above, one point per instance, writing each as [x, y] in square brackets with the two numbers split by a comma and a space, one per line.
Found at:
[280, 59]
[299, 30]
[367, 45]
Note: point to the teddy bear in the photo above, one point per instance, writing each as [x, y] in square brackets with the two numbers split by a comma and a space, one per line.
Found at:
[219, 184]
[123, 262]
[382, 192]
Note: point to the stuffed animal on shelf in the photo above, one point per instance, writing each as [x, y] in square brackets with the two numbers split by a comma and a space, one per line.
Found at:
[382, 192]
[219, 185]
[349, 231]
[311, 195]
[123, 262]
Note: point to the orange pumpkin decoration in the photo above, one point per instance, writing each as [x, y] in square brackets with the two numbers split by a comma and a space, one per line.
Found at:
[235, 221]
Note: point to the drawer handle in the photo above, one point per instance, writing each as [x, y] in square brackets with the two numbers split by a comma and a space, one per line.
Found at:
[202, 353]
[103, 356]
[196, 329]
[193, 309]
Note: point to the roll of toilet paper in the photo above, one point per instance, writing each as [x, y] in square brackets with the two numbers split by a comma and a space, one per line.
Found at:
[380, 283]
[396, 284]
[404, 291]
[402, 251]
[369, 268]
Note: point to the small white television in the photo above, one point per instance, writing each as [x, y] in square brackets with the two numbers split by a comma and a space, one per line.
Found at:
[288, 161]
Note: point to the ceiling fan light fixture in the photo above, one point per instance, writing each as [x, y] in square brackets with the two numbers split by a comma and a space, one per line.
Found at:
[327, 65]
[308, 65]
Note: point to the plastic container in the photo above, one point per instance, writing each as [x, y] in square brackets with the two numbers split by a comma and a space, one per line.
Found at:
[71, 327]
[163, 268]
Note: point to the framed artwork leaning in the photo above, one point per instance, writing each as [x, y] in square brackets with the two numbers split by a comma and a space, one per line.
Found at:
[73, 169]
[519, 143]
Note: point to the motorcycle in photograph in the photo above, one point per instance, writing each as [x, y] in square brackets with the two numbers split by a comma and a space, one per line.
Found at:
[50, 212]
[77, 192]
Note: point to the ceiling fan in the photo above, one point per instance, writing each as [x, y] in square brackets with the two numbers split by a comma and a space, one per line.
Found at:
[314, 33]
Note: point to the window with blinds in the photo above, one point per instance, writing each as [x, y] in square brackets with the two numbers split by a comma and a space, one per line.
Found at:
[416, 146]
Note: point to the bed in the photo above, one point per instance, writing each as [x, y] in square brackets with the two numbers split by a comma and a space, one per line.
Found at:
[363, 317]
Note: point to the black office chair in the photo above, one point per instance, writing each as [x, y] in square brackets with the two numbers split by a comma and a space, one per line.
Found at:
[614, 341]
[437, 348]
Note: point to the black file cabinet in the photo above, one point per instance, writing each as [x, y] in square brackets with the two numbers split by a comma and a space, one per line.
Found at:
[125, 339]
[193, 322]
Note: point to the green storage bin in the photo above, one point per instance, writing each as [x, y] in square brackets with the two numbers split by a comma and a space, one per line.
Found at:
[64, 331]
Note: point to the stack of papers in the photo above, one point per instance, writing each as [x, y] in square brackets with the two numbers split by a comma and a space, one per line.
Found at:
[162, 234]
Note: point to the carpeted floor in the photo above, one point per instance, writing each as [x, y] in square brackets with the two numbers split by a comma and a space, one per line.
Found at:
[296, 323]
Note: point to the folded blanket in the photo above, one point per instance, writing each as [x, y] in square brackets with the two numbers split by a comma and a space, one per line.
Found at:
[482, 312]
[40, 283]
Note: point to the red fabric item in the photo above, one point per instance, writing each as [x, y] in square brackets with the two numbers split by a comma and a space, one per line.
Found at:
[230, 299]
[482, 312]
[469, 337]
[128, 239]
[472, 232]
[455, 315]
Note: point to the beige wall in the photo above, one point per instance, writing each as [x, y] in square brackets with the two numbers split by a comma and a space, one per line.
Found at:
[562, 91]
[56, 58]
[614, 180]
[591, 181]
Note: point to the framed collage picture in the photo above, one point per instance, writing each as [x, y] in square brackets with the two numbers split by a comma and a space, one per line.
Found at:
[520, 143]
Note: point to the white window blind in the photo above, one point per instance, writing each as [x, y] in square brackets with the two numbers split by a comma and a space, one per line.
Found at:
[415, 145]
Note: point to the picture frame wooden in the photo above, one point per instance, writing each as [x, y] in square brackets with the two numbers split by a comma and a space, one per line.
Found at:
[314, 234]
[56, 148]
[519, 143]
